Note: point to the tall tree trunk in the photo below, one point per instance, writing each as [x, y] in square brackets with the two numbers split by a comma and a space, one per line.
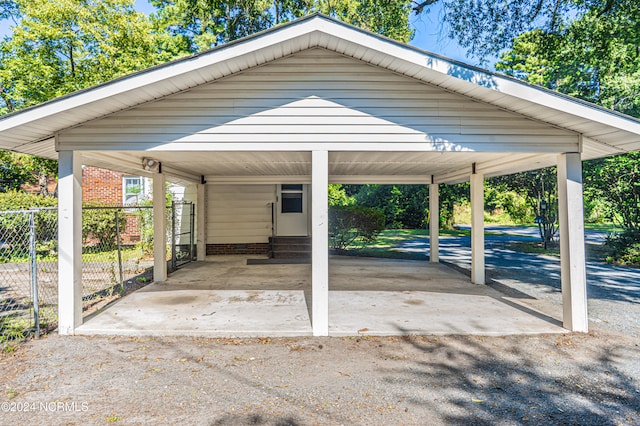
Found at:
[43, 181]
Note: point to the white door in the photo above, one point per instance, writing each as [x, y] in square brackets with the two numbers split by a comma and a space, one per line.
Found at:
[292, 211]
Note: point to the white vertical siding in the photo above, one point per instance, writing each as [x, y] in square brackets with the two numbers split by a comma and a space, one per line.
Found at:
[239, 213]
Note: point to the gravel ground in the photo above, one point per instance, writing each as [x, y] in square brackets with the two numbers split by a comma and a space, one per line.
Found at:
[571, 379]
[589, 379]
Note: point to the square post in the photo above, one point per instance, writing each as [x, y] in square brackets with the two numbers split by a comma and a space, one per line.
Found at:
[434, 223]
[159, 228]
[320, 243]
[573, 273]
[477, 229]
[69, 241]
[201, 221]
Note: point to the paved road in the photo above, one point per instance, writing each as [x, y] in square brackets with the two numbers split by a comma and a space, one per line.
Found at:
[613, 291]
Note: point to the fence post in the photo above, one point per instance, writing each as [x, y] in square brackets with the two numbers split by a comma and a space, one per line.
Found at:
[34, 272]
[192, 248]
[173, 235]
[119, 243]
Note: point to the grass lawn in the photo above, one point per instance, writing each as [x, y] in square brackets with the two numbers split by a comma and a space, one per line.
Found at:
[384, 244]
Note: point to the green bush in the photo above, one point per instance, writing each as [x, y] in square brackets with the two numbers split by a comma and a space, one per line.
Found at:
[17, 200]
[99, 225]
[14, 227]
[625, 247]
[352, 225]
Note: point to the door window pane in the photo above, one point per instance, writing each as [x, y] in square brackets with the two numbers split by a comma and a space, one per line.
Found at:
[291, 202]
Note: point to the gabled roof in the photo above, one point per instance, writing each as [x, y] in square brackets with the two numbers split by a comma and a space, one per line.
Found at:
[604, 132]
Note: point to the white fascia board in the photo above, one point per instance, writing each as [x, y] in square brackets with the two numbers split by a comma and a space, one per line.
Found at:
[180, 174]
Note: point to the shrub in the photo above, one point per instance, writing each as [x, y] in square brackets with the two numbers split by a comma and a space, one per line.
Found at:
[99, 225]
[349, 225]
[625, 247]
[14, 227]
[17, 200]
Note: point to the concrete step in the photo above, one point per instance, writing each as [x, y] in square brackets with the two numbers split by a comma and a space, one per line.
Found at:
[290, 247]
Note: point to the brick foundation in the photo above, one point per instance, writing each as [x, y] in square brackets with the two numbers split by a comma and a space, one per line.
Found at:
[249, 248]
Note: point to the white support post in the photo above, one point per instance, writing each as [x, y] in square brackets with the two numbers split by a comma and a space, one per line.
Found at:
[434, 223]
[320, 243]
[201, 222]
[477, 228]
[69, 241]
[573, 273]
[159, 228]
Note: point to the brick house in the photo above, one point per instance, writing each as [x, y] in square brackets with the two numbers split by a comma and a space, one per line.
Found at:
[115, 189]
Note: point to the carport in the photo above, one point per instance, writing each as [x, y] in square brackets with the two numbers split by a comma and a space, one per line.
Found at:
[313, 102]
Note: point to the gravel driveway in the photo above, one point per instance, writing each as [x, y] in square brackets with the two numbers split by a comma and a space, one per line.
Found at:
[572, 379]
[551, 379]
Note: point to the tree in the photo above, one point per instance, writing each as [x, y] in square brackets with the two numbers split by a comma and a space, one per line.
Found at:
[617, 180]
[592, 58]
[539, 187]
[200, 24]
[19, 169]
[63, 46]
[338, 196]
[487, 27]
[595, 58]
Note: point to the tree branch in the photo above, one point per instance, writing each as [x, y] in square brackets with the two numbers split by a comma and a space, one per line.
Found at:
[419, 7]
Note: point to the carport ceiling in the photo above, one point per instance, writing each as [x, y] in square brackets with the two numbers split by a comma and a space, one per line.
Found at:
[344, 167]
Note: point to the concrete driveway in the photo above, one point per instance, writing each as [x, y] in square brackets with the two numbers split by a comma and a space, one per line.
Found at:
[225, 297]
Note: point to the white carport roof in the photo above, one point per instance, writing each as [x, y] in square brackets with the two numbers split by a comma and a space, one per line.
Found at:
[603, 132]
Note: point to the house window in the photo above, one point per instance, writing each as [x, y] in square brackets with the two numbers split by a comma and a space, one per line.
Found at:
[291, 198]
[131, 190]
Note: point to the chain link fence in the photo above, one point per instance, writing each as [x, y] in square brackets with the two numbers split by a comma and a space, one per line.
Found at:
[117, 254]
[117, 251]
[28, 272]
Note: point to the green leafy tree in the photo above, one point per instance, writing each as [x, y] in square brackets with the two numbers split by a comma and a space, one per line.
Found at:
[338, 196]
[595, 58]
[196, 25]
[617, 180]
[539, 187]
[63, 46]
[488, 27]
[19, 169]
[450, 196]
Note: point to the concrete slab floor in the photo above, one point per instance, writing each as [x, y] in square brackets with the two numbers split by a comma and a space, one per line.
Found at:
[225, 297]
